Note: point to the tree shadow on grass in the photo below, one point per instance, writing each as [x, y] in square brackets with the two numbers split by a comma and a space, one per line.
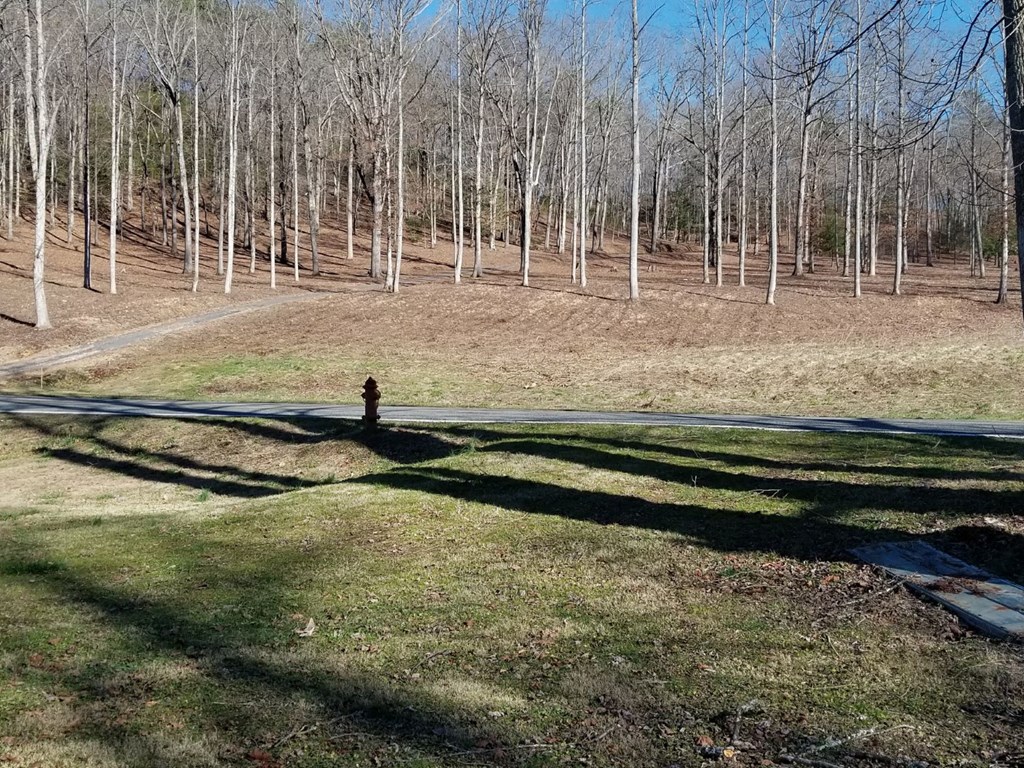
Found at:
[824, 498]
[805, 537]
[239, 660]
[399, 444]
[395, 444]
[724, 530]
[967, 447]
[163, 466]
[144, 465]
[354, 709]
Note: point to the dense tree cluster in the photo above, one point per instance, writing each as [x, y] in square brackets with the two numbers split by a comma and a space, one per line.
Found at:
[861, 136]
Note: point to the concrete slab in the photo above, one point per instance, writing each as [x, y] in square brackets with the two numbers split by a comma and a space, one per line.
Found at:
[992, 605]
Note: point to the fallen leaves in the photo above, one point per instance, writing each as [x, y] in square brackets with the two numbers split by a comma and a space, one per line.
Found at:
[262, 758]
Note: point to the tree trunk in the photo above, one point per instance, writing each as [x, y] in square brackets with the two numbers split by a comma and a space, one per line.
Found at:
[901, 159]
[250, 173]
[858, 209]
[706, 207]
[1013, 13]
[222, 192]
[773, 185]
[74, 152]
[13, 180]
[349, 209]
[1004, 253]
[295, 156]
[183, 176]
[115, 150]
[495, 176]
[873, 201]
[195, 147]
[163, 201]
[400, 178]
[313, 191]
[378, 210]
[232, 150]
[129, 200]
[460, 223]
[744, 158]
[584, 198]
[801, 204]
[634, 211]
[37, 122]
[271, 180]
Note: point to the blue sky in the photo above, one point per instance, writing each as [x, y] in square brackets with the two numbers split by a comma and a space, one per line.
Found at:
[673, 17]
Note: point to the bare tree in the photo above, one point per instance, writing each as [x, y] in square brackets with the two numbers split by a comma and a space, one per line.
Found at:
[233, 110]
[487, 18]
[744, 150]
[460, 185]
[1013, 49]
[118, 79]
[526, 122]
[195, 146]
[774, 14]
[40, 125]
[634, 195]
[584, 204]
[814, 53]
[165, 29]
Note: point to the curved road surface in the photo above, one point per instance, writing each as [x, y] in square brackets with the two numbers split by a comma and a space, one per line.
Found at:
[97, 406]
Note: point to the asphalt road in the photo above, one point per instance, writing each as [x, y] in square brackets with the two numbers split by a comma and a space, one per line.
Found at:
[95, 406]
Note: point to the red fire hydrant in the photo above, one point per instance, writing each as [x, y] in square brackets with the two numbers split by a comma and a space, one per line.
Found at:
[371, 396]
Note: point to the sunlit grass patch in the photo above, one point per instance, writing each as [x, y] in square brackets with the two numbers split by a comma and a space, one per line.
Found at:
[497, 595]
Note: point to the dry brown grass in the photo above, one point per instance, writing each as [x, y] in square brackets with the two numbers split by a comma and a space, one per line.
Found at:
[941, 349]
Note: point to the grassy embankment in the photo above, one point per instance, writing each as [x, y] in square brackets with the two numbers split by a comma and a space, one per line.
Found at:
[488, 596]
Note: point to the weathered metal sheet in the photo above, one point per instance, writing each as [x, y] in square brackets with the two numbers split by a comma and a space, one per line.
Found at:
[990, 604]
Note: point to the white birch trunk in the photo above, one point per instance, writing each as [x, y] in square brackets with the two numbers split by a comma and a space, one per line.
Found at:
[115, 151]
[74, 150]
[195, 148]
[460, 223]
[858, 214]
[634, 215]
[400, 175]
[773, 183]
[584, 201]
[901, 161]
[232, 150]
[744, 154]
[272, 181]
[349, 210]
[37, 123]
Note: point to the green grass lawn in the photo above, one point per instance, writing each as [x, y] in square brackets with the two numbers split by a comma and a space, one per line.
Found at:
[490, 596]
